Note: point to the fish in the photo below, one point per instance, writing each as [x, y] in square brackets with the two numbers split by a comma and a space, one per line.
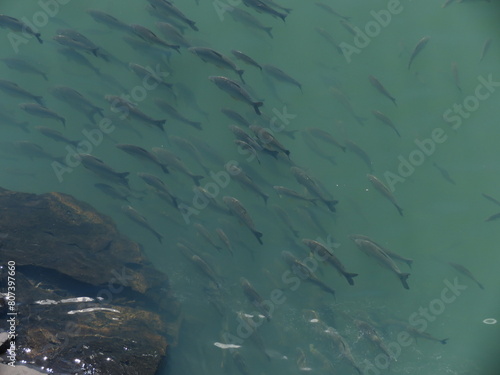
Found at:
[146, 73]
[173, 34]
[112, 192]
[19, 26]
[14, 89]
[464, 271]
[189, 97]
[129, 110]
[241, 135]
[342, 345]
[210, 55]
[355, 149]
[245, 58]
[206, 269]
[486, 48]
[380, 88]
[267, 138]
[148, 36]
[238, 210]
[371, 334]
[172, 112]
[239, 362]
[330, 10]
[329, 38]
[107, 19]
[159, 185]
[170, 9]
[23, 66]
[135, 216]
[386, 120]
[6, 119]
[142, 154]
[205, 233]
[245, 180]
[456, 78]
[444, 173]
[414, 331]
[349, 27]
[255, 336]
[247, 19]
[245, 148]
[418, 48]
[273, 4]
[236, 91]
[304, 273]
[321, 250]
[34, 151]
[191, 150]
[285, 218]
[491, 199]
[38, 110]
[394, 256]
[312, 186]
[235, 116]
[69, 42]
[384, 190]
[225, 239]
[77, 101]
[261, 7]
[103, 170]
[327, 365]
[81, 42]
[169, 159]
[254, 297]
[280, 75]
[346, 103]
[377, 253]
[325, 136]
[56, 135]
[283, 191]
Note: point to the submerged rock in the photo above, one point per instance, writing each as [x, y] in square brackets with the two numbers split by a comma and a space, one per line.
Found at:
[87, 299]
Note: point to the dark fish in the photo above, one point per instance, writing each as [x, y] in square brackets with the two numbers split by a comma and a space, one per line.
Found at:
[325, 136]
[274, 4]
[77, 101]
[206, 269]
[147, 73]
[216, 58]
[148, 36]
[392, 254]
[172, 112]
[491, 199]
[344, 100]
[444, 173]
[285, 218]
[312, 186]
[466, 272]
[56, 135]
[112, 192]
[281, 190]
[108, 20]
[254, 297]
[235, 91]
[280, 75]
[172, 33]
[330, 10]
[6, 119]
[261, 7]
[456, 78]
[159, 185]
[380, 88]
[169, 159]
[80, 41]
[245, 148]
[235, 116]
[69, 42]
[241, 15]
[78, 58]
[23, 66]
[315, 147]
[142, 154]
[128, 109]
[190, 149]
[354, 148]
[225, 239]
[14, 89]
[265, 137]
[245, 58]
[205, 233]
[41, 111]
[486, 48]
[239, 175]
[103, 170]
[324, 253]
[371, 334]
[171, 10]
[417, 333]
[18, 26]
[384, 190]
[420, 45]
[34, 151]
[237, 209]
[386, 120]
[329, 38]
[132, 213]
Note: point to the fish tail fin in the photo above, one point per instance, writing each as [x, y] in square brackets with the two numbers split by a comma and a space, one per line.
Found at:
[349, 277]
[24, 127]
[177, 48]
[268, 30]
[409, 262]
[256, 106]
[444, 341]
[397, 132]
[94, 52]
[283, 16]
[480, 285]
[196, 124]
[196, 179]
[164, 169]
[39, 100]
[159, 236]
[160, 123]
[63, 120]
[400, 210]
[75, 143]
[314, 201]
[258, 235]
[39, 37]
[44, 76]
[265, 197]
[394, 101]
[295, 233]
[331, 205]
[404, 277]
[240, 73]
[343, 148]
[287, 153]
[192, 24]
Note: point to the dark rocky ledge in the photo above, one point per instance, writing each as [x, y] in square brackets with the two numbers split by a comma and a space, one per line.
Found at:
[87, 299]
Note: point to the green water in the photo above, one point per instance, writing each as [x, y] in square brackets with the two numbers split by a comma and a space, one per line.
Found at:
[442, 221]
